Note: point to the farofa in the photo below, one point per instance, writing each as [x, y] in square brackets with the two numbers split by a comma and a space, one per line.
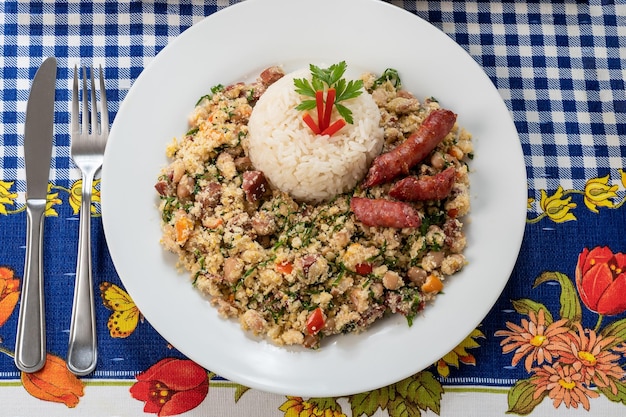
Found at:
[273, 262]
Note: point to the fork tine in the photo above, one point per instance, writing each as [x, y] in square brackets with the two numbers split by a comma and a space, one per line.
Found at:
[85, 126]
[94, 105]
[104, 108]
[75, 104]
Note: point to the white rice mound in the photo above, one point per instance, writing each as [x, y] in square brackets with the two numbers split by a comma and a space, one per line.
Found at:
[311, 168]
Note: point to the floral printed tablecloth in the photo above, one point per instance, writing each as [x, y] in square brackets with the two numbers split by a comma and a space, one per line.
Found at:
[554, 343]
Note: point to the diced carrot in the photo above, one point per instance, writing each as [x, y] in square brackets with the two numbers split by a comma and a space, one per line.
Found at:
[183, 229]
[334, 128]
[284, 267]
[432, 284]
[330, 102]
[311, 123]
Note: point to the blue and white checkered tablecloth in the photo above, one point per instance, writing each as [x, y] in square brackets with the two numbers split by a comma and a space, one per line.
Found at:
[560, 68]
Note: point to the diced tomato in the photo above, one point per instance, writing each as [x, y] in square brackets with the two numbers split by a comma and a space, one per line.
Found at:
[284, 267]
[363, 268]
[315, 322]
[453, 212]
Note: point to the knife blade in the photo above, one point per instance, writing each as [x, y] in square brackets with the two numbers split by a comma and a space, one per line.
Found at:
[30, 342]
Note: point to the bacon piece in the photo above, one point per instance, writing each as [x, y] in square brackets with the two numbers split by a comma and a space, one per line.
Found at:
[410, 152]
[384, 213]
[254, 185]
[435, 187]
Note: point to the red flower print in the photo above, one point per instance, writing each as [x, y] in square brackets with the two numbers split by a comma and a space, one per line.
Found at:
[171, 386]
[601, 280]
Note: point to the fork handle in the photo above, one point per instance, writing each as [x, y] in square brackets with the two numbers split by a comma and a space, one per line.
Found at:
[82, 353]
[30, 342]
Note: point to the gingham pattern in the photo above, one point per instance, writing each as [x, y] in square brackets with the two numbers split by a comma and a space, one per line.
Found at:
[121, 36]
[560, 67]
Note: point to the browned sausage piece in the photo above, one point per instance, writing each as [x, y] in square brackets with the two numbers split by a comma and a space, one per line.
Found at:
[254, 185]
[161, 187]
[210, 195]
[404, 156]
[384, 213]
[270, 75]
[435, 187]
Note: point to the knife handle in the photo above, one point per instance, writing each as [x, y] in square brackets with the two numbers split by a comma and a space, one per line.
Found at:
[82, 353]
[30, 343]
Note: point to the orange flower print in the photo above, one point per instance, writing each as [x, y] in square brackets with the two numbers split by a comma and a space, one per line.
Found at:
[534, 339]
[171, 386]
[564, 385]
[598, 365]
[54, 382]
[9, 293]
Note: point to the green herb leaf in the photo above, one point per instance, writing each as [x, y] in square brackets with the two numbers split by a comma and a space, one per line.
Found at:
[303, 86]
[345, 112]
[351, 90]
[391, 75]
[306, 105]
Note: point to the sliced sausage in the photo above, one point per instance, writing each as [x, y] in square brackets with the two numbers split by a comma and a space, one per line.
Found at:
[404, 156]
[427, 187]
[380, 212]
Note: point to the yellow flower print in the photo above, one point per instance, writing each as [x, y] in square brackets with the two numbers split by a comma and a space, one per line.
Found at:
[76, 196]
[598, 192]
[52, 199]
[530, 203]
[459, 354]
[556, 207]
[6, 197]
[297, 407]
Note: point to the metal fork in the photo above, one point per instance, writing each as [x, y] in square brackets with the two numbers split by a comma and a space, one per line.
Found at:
[87, 149]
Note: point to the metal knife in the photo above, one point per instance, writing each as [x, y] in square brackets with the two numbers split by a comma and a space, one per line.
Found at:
[30, 343]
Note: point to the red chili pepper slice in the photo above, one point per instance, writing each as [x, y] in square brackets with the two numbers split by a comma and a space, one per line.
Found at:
[311, 123]
[334, 128]
[319, 104]
[330, 102]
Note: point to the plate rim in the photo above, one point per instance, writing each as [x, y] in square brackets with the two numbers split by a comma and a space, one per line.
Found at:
[254, 381]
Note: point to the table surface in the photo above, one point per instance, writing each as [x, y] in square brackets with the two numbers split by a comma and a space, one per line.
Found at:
[554, 342]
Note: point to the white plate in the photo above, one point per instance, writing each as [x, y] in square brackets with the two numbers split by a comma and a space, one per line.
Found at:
[237, 43]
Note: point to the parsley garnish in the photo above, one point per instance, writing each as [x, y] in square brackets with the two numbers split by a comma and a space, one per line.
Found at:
[330, 81]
